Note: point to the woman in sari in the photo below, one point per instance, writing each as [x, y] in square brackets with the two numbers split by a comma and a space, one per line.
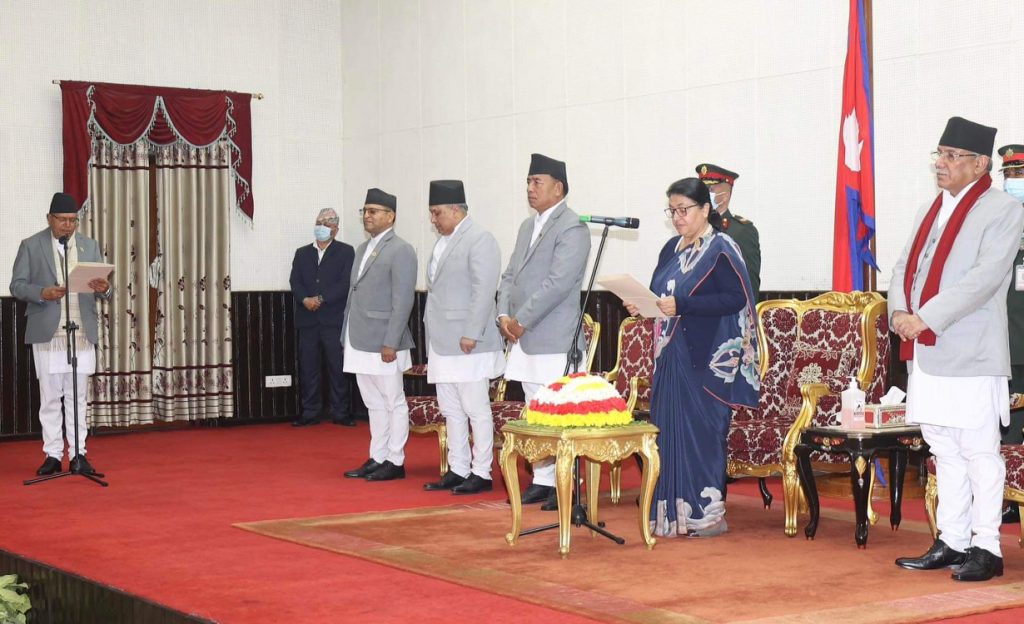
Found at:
[706, 362]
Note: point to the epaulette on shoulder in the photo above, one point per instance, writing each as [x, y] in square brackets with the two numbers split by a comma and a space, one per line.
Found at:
[743, 220]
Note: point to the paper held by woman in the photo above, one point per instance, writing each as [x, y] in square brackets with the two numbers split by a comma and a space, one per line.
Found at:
[630, 290]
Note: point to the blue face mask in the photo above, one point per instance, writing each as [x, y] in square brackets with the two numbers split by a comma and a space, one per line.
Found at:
[1015, 187]
[322, 233]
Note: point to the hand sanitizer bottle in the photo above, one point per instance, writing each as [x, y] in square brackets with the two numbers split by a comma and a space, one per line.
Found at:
[852, 406]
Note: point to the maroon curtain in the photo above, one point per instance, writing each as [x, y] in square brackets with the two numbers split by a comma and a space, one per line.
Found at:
[126, 113]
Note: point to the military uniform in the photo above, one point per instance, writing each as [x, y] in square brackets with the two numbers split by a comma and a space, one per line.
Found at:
[738, 228]
[1013, 158]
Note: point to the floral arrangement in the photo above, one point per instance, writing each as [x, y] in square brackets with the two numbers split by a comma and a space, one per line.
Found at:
[578, 400]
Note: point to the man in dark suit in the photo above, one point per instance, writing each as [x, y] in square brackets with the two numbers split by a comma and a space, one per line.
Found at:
[720, 181]
[320, 281]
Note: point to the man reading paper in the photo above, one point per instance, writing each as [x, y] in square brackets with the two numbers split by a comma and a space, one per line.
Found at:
[38, 281]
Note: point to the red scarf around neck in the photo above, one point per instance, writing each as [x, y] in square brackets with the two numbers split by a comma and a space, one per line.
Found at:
[946, 240]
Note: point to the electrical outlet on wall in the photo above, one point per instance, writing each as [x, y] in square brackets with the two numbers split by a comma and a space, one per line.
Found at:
[278, 381]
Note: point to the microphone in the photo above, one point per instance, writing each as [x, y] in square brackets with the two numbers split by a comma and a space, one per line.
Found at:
[63, 240]
[630, 223]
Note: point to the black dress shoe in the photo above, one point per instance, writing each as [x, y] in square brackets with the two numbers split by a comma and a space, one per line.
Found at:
[447, 482]
[51, 466]
[345, 422]
[473, 485]
[536, 493]
[387, 472]
[81, 465]
[981, 565]
[305, 422]
[1011, 513]
[938, 556]
[361, 472]
[551, 503]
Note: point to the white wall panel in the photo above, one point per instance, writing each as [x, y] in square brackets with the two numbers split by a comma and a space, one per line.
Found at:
[540, 30]
[654, 48]
[401, 70]
[360, 67]
[594, 51]
[496, 196]
[443, 58]
[490, 58]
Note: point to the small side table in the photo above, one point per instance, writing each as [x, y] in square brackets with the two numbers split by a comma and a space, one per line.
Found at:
[861, 445]
[565, 444]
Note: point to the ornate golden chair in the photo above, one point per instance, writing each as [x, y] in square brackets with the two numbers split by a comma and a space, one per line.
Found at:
[809, 350]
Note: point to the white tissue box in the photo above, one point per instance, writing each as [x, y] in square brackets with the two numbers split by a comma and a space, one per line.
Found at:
[878, 416]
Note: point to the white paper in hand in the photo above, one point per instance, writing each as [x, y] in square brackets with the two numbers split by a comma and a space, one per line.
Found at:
[630, 290]
[85, 272]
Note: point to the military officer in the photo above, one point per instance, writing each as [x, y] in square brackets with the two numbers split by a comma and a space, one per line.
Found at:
[720, 182]
[1013, 183]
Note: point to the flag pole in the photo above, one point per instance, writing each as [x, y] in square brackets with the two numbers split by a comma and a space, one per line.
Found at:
[870, 275]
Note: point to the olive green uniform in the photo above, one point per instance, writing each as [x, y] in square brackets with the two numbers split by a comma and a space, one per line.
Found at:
[1015, 316]
[745, 234]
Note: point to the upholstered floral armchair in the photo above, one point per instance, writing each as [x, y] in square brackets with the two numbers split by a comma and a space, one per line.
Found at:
[809, 350]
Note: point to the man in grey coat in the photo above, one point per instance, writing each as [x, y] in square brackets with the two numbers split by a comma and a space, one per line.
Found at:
[376, 335]
[37, 279]
[464, 348]
[947, 303]
[539, 297]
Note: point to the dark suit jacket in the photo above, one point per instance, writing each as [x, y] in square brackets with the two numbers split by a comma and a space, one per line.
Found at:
[329, 279]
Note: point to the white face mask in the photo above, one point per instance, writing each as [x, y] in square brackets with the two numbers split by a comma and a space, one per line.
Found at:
[322, 233]
[1015, 187]
[714, 202]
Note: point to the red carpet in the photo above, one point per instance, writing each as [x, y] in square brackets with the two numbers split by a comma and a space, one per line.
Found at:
[163, 528]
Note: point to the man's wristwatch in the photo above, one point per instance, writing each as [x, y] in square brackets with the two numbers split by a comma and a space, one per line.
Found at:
[320, 299]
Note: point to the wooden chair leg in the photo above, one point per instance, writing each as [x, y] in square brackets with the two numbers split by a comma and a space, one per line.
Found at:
[766, 495]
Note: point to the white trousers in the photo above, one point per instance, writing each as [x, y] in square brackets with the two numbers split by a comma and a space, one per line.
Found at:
[53, 386]
[464, 405]
[544, 470]
[384, 396]
[969, 473]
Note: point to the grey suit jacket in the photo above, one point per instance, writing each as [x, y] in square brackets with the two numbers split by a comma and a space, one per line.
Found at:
[34, 270]
[460, 298]
[968, 315]
[379, 302]
[541, 285]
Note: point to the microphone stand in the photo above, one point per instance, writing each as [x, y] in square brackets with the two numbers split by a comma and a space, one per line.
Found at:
[574, 356]
[70, 328]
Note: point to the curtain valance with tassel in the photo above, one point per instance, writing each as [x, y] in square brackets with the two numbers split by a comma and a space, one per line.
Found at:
[127, 114]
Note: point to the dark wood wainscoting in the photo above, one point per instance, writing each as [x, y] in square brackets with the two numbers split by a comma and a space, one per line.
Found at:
[265, 344]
